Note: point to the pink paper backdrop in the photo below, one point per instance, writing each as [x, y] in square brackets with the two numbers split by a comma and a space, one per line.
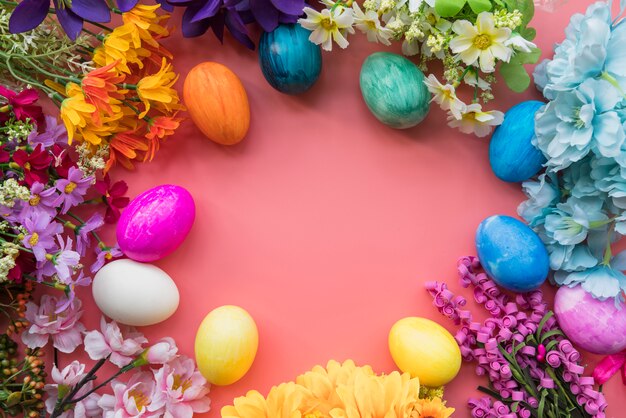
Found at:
[324, 224]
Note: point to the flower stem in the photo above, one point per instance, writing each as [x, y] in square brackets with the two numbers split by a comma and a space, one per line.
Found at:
[103, 384]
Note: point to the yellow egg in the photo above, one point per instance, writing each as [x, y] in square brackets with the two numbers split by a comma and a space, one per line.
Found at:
[226, 344]
[426, 350]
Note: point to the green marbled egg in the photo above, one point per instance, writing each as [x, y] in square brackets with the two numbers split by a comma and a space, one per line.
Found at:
[393, 89]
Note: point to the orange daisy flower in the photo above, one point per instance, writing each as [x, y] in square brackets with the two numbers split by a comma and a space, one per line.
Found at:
[100, 87]
[158, 129]
[433, 408]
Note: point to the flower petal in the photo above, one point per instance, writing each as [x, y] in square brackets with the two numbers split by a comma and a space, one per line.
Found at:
[94, 10]
[28, 15]
[71, 23]
[290, 7]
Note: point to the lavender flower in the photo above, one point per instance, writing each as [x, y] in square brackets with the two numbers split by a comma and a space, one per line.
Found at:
[42, 201]
[40, 237]
[519, 347]
[83, 232]
[65, 259]
[55, 133]
[72, 189]
[105, 254]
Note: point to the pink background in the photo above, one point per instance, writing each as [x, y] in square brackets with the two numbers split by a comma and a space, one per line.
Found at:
[324, 224]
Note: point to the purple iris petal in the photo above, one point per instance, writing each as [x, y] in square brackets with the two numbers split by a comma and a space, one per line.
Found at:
[291, 7]
[238, 29]
[126, 5]
[70, 22]
[192, 29]
[208, 9]
[217, 26]
[266, 16]
[28, 15]
[165, 5]
[94, 10]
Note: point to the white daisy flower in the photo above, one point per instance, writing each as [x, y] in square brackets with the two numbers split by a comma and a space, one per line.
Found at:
[445, 96]
[475, 121]
[328, 26]
[369, 23]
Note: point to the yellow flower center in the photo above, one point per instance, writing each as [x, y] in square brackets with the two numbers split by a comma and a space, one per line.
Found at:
[482, 41]
[34, 201]
[70, 187]
[27, 166]
[180, 383]
[34, 239]
[141, 400]
[328, 24]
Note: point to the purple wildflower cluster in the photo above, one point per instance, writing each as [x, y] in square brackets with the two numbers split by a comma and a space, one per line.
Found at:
[533, 370]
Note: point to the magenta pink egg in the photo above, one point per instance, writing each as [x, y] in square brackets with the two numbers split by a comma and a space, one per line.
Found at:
[156, 223]
[594, 325]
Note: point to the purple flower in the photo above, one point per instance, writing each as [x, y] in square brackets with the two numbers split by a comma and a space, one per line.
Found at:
[55, 133]
[65, 259]
[104, 255]
[30, 13]
[42, 201]
[83, 232]
[40, 234]
[201, 15]
[46, 323]
[73, 189]
[70, 291]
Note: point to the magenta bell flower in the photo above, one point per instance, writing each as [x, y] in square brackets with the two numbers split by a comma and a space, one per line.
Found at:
[71, 14]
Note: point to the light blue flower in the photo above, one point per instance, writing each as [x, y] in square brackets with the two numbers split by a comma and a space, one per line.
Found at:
[577, 179]
[570, 257]
[542, 194]
[603, 281]
[578, 122]
[610, 177]
[615, 64]
[582, 55]
[571, 221]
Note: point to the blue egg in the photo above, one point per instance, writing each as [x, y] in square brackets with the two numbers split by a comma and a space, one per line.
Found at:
[289, 61]
[512, 156]
[393, 89]
[512, 254]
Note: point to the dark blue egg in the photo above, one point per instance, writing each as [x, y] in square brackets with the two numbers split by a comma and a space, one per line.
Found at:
[512, 156]
[512, 254]
[289, 61]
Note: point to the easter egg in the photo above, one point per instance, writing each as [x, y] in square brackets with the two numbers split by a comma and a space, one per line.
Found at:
[156, 223]
[217, 103]
[393, 89]
[512, 155]
[425, 350]
[512, 254]
[135, 293]
[226, 344]
[289, 61]
[593, 325]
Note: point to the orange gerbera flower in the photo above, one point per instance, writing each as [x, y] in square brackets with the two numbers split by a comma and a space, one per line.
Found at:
[100, 87]
[157, 89]
[124, 148]
[433, 408]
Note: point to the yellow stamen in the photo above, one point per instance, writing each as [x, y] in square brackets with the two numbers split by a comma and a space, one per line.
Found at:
[34, 201]
[482, 41]
[70, 187]
[34, 239]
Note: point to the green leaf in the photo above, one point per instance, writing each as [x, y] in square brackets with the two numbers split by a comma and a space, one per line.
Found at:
[551, 334]
[526, 7]
[479, 6]
[542, 323]
[515, 76]
[449, 8]
[528, 33]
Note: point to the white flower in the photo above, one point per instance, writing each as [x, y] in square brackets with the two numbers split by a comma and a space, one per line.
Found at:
[369, 23]
[471, 78]
[328, 25]
[445, 96]
[414, 5]
[483, 42]
[475, 121]
[519, 43]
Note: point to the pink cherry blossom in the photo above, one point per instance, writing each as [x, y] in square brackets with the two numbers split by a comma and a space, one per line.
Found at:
[64, 380]
[62, 327]
[163, 351]
[123, 345]
[180, 389]
[132, 399]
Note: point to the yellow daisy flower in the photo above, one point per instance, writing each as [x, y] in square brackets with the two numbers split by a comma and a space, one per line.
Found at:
[157, 89]
[75, 111]
[433, 408]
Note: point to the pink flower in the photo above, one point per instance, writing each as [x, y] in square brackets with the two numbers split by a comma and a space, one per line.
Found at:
[180, 389]
[123, 347]
[162, 352]
[63, 327]
[64, 381]
[132, 399]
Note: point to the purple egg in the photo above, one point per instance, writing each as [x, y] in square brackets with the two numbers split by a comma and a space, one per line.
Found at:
[156, 223]
[594, 325]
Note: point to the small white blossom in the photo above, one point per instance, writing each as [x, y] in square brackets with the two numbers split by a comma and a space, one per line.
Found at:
[475, 121]
[328, 26]
[369, 23]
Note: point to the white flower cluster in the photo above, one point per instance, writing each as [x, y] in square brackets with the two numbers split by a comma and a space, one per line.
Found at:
[90, 162]
[11, 191]
[9, 252]
[19, 131]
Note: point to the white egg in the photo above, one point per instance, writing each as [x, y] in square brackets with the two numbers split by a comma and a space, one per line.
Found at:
[135, 293]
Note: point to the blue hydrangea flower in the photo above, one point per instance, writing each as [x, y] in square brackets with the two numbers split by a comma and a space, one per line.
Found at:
[543, 194]
[577, 180]
[580, 121]
[603, 281]
[610, 177]
[582, 55]
[570, 222]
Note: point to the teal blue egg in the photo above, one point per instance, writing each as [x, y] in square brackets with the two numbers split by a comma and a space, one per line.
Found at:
[512, 155]
[393, 89]
[512, 254]
[289, 61]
